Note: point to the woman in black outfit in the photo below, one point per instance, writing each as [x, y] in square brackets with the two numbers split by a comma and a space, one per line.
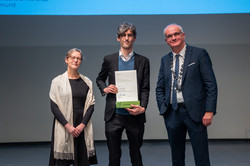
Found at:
[72, 103]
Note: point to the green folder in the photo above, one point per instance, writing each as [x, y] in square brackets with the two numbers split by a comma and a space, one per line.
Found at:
[126, 104]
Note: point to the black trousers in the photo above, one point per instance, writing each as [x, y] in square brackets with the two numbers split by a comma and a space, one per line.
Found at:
[178, 123]
[134, 130]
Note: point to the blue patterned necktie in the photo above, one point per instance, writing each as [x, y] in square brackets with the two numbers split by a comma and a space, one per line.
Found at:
[174, 96]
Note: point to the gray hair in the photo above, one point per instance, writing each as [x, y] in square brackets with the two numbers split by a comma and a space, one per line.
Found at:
[74, 50]
[181, 29]
[124, 27]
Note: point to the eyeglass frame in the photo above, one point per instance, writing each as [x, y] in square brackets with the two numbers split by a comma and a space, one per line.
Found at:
[173, 35]
[73, 58]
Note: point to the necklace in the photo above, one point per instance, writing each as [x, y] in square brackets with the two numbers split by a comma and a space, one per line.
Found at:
[178, 79]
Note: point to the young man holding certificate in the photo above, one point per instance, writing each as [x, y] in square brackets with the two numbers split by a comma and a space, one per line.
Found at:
[123, 68]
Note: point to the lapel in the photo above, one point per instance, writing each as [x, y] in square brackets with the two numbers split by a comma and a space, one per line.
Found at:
[115, 61]
[188, 55]
[136, 67]
[137, 62]
[168, 65]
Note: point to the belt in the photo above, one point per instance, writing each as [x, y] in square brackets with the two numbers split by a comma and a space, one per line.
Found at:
[180, 105]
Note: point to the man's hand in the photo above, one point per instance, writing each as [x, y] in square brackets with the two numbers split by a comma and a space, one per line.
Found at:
[111, 89]
[207, 118]
[135, 110]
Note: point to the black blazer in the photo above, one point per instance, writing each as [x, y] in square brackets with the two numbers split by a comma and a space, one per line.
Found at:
[199, 87]
[109, 66]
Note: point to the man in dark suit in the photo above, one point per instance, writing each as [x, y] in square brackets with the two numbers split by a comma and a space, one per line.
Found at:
[186, 95]
[130, 119]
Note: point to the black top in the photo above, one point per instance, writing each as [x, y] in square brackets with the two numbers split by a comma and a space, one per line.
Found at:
[79, 92]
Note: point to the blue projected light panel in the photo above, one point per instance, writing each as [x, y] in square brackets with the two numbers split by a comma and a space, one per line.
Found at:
[117, 7]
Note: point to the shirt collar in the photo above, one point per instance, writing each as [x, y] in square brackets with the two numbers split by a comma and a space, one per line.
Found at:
[128, 57]
[182, 53]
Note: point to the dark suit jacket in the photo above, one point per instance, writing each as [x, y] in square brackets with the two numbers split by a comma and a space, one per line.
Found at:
[199, 87]
[109, 66]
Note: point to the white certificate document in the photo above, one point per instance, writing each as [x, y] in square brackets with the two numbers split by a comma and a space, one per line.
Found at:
[126, 82]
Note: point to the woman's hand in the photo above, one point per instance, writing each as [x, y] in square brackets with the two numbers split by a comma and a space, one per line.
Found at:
[75, 132]
[80, 127]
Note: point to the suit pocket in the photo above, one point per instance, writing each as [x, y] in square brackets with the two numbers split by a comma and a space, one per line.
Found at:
[163, 108]
[191, 64]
